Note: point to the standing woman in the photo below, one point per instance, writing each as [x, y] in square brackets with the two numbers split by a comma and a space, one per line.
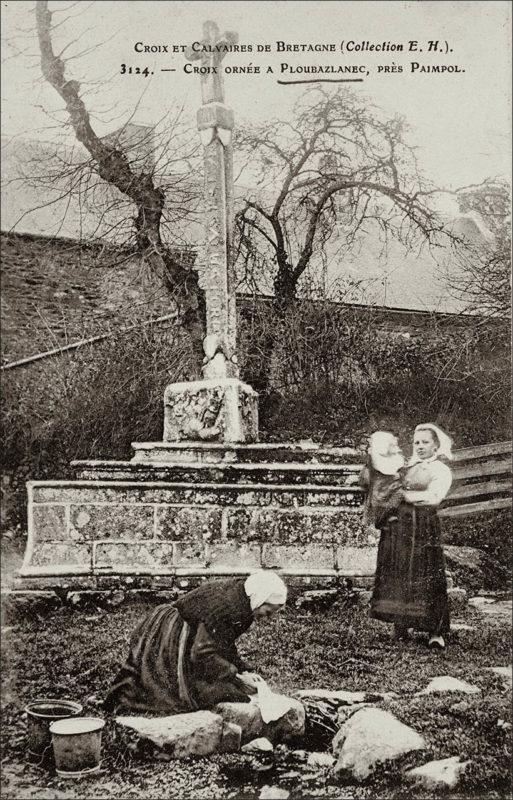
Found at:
[410, 587]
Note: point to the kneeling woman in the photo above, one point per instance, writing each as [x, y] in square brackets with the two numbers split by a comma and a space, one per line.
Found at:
[183, 655]
[410, 587]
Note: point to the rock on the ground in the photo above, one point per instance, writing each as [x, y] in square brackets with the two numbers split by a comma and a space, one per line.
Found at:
[339, 696]
[479, 602]
[260, 745]
[504, 672]
[198, 733]
[273, 793]
[248, 716]
[320, 760]
[230, 738]
[446, 683]
[370, 737]
[443, 774]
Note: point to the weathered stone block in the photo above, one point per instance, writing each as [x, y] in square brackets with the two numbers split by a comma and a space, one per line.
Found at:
[357, 560]
[241, 524]
[309, 556]
[50, 523]
[248, 716]
[181, 735]
[64, 555]
[188, 523]
[106, 522]
[335, 526]
[233, 554]
[116, 555]
[218, 410]
[189, 554]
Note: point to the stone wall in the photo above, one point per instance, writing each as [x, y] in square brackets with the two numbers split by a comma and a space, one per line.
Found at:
[174, 520]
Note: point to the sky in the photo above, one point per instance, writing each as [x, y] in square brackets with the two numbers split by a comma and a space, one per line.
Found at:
[460, 122]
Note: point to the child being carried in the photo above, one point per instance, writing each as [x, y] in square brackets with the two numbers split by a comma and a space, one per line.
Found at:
[381, 476]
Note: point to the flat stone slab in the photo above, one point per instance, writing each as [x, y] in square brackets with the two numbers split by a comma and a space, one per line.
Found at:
[370, 737]
[442, 774]
[338, 696]
[446, 683]
[179, 735]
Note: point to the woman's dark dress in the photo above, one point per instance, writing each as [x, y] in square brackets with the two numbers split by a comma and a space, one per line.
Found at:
[183, 656]
[410, 586]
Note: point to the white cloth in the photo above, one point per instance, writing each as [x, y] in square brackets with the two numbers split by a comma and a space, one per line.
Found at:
[272, 706]
[445, 441]
[384, 453]
[432, 474]
[265, 587]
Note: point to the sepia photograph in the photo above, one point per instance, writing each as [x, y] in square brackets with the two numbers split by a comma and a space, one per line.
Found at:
[255, 524]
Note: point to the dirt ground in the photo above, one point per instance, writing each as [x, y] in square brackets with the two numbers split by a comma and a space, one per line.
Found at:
[66, 652]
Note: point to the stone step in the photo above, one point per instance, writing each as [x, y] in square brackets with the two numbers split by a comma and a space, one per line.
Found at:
[279, 474]
[304, 452]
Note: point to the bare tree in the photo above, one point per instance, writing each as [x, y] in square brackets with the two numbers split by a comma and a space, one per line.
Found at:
[480, 275]
[340, 169]
[121, 181]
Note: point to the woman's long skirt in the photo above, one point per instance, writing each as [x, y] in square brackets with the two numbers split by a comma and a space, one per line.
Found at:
[410, 587]
[156, 675]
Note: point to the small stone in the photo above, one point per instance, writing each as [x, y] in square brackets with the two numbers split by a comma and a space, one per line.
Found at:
[273, 793]
[230, 738]
[460, 708]
[461, 626]
[261, 745]
[299, 755]
[369, 737]
[443, 774]
[320, 760]
[446, 683]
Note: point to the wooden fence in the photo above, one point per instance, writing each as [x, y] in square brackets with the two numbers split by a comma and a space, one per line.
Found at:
[482, 480]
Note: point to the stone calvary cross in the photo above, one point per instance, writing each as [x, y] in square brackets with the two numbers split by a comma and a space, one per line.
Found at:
[219, 408]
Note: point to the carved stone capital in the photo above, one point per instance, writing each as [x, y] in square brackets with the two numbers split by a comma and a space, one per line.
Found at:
[215, 115]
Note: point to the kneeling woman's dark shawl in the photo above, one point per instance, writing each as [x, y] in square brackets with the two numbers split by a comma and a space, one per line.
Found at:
[183, 656]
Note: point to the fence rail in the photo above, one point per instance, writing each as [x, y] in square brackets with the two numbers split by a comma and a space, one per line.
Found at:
[482, 480]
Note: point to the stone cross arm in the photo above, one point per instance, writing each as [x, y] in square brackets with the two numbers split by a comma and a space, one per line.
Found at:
[211, 51]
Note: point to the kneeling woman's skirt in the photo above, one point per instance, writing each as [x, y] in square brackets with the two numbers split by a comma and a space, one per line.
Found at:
[410, 587]
[156, 675]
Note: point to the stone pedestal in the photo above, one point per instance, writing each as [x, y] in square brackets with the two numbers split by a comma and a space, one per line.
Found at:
[217, 410]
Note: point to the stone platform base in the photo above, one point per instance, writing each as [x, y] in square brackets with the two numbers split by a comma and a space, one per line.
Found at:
[163, 518]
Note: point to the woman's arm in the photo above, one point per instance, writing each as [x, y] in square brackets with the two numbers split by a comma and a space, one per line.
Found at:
[437, 489]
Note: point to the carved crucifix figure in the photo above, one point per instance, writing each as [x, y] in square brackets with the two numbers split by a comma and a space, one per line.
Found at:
[211, 51]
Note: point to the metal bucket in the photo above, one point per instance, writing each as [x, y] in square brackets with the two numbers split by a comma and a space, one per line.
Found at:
[77, 745]
[40, 715]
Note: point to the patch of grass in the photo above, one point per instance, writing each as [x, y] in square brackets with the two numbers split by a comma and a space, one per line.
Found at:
[74, 654]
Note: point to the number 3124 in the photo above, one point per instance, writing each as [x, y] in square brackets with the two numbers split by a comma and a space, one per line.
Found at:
[135, 70]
